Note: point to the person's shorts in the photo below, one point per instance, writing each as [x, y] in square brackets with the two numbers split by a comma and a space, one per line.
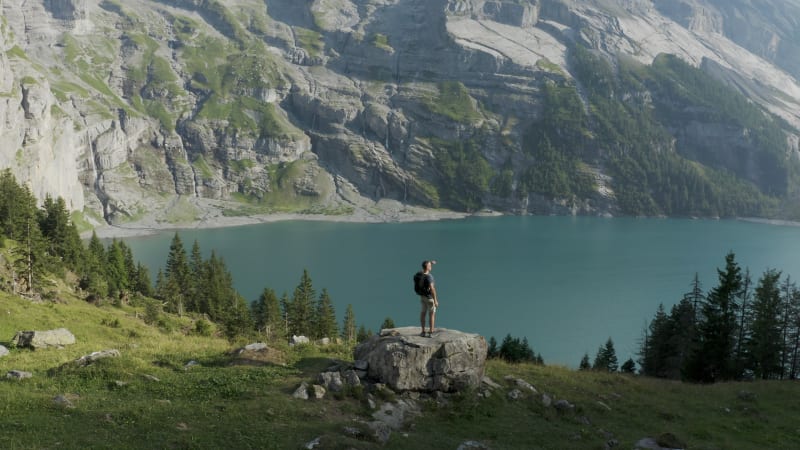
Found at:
[427, 304]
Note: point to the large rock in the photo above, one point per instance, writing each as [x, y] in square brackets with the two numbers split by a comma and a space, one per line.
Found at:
[449, 361]
[43, 339]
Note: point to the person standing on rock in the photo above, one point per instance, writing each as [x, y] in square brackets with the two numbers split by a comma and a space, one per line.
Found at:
[430, 301]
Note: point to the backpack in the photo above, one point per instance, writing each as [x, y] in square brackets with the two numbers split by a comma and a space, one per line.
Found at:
[422, 284]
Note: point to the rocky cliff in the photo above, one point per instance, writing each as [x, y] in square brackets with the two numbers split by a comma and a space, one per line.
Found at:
[177, 109]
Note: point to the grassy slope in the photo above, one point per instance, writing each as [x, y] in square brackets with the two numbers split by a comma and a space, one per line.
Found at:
[219, 405]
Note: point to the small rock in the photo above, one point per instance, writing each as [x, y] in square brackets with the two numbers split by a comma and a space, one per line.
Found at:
[585, 420]
[313, 443]
[256, 346]
[319, 391]
[118, 383]
[472, 445]
[746, 396]
[181, 426]
[147, 376]
[324, 341]
[299, 340]
[331, 380]
[514, 394]
[524, 385]
[63, 401]
[362, 374]
[3, 351]
[351, 378]
[354, 432]
[491, 383]
[669, 440]
[301, 392]
[85, 360]
[547, 400]
[563, 405]
[18, 374]
[191, 364]
[382, 431]
[611, 443]
[604, 406]
[647, 444]
[360, 364]
[371, 402]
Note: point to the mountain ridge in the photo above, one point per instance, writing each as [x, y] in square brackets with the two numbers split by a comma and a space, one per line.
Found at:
[242, 108]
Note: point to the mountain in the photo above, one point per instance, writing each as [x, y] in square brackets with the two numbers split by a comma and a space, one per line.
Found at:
[179, 110]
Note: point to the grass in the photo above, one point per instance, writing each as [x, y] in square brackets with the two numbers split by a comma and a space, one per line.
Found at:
[453, 101]
[224, 403]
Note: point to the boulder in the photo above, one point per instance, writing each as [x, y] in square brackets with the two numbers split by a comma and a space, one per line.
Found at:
[85, 360]
[449, 361]
[43, 339]
[3, 351]
[18, 374]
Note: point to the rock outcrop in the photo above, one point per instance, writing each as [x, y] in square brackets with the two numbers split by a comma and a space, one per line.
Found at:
[449, 361]
[43, 339]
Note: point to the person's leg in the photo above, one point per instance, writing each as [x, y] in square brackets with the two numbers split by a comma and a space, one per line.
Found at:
[432, 319]
[422, 314]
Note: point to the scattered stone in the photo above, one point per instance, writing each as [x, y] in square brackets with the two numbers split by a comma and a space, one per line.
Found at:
[43, 339]
[490, 383]
[522, 384]
[611, 443]
[3, 351]
[119, 383]
[746, 396]
[563, 405]
[395, 414]
[669, 440]
[351, 378]
[651, 444]
[547, 401]
[354, 432]
[331, 380]
[85, 360]
[324, 341]
[301, 392]
[182, 426]
[514, 394]
[585, 420]
[371, 402]
[472, 445]
[449, 361]
[313, 443]
[63, 401]
[360, 364]
[318, 391]
[381, 431]
[191, 364]
[255, 347]
[147, 376]
[299, 340]
[18, 374]
[604, 406]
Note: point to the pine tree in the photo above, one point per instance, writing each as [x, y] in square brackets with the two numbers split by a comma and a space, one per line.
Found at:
[585, 364]
[29, 257]
[765, 343]
[657, 351]
[628, 366]
[713, 360]
[363, 334]
[492, 349]
[141, 281]
[301, 311]
[63, 240]
[606, 358]
[349, 326]
[176, 275]
[195, 277]
[325, 318]
[267, 314]
[789, 309]
[387, 323]
[116, 270]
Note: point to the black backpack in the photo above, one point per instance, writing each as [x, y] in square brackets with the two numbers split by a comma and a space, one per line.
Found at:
[422, 284]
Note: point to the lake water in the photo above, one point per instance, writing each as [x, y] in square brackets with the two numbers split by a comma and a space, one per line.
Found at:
[565, 283]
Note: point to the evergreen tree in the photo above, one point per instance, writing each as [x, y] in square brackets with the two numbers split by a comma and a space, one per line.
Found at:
[585, 364]
[141, 281]
[514, 350]
[285, 307]
[765, 345]
[349, 325]
[325, 318]
[744, 326]
[606, 358]
[30, 261]
[492, 351]
[363, 334]
[176, 276]
[628, 366]
[714, 359]
[657, 351]
[63, 240]
[387, 323]
[790, 305]
[116, 270]
[301, 310]
[195, 277]
[267, 314]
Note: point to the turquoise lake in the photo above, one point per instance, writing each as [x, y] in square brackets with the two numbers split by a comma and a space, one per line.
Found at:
[565, 283]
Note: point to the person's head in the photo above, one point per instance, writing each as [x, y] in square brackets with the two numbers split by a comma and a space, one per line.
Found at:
[427, 265]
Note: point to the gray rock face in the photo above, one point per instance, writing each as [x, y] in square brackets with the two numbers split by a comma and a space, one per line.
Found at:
[43, 339]
[449, 361]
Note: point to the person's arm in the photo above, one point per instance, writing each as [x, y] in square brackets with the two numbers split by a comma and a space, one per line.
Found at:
[435, 297]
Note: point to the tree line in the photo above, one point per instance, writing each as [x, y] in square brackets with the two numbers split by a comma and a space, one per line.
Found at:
[45, 244]
[738, 330]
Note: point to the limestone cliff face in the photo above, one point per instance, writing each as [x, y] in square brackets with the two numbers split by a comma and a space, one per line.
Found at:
[127, 108]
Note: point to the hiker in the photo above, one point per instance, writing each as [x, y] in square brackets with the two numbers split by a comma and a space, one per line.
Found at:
[428, 298]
